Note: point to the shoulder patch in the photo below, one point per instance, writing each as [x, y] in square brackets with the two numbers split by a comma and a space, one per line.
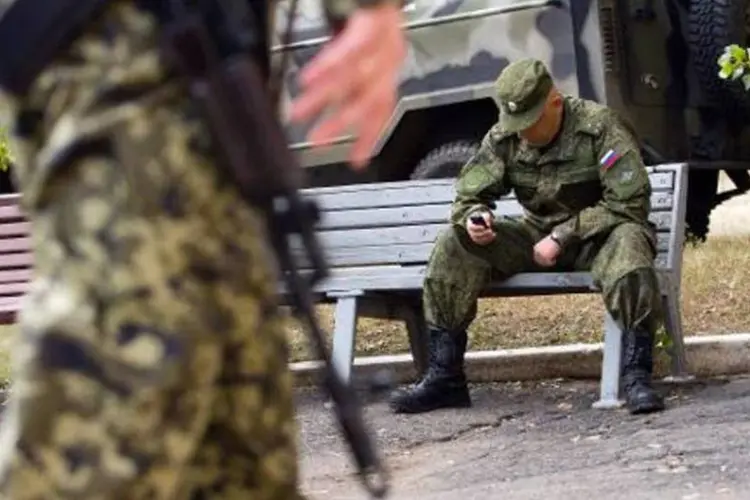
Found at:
[609, 159]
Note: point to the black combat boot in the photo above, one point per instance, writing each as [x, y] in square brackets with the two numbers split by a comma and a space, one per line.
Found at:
[637, 368]
[444, 383]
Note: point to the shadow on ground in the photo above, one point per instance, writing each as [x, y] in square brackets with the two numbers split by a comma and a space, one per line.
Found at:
[543, 441]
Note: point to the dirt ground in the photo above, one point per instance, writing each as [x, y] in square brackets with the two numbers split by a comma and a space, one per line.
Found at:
[544, 441]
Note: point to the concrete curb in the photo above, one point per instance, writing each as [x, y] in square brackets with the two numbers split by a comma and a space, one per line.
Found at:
[707, 356]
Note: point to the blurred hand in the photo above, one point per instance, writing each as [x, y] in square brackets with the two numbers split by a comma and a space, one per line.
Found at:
[546, 252]
[356, 74]
[479, 234]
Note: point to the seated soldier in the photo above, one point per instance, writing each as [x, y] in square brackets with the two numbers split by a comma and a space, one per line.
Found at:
[576, 168]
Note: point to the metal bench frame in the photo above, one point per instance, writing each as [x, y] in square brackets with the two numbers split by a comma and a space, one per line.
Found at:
[378, 238]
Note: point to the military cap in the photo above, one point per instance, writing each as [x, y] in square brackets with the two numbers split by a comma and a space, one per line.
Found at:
[522, 89]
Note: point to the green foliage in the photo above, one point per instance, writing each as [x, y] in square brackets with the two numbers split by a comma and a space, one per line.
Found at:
[734, 64]
[663, 340]
[6, 158]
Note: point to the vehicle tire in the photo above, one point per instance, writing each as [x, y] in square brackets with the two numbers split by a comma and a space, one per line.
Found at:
[702, 187]
[714, 24]
[446, 160]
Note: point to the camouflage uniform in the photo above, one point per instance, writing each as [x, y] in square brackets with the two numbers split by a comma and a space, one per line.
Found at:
[589, 189]
[148, 366]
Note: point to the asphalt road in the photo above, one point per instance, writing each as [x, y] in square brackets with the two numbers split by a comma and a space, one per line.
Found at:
[544, 441]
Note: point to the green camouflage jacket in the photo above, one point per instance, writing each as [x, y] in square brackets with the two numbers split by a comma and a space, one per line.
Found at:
[588, 181]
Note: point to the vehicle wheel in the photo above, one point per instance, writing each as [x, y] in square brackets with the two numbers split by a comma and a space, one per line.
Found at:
[714, 24]
[740, 178]
[702, 186]
[446, 160]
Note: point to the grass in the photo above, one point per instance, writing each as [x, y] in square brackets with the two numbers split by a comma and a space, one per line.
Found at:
[715, 279]
[716, 275]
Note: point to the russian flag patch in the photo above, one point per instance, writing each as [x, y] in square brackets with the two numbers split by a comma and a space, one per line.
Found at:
[609, 159]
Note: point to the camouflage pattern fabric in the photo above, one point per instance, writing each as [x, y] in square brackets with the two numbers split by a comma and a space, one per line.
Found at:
[621, 264]
[562, 187]
[589, 186]
[151, 362]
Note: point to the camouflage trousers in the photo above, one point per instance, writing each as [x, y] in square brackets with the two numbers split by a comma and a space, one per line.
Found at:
[152, 361]
[620, 262]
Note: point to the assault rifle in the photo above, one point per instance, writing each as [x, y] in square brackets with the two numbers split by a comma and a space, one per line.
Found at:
[234, 97]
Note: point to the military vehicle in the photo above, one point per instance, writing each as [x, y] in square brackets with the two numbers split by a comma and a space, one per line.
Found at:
[655, 61]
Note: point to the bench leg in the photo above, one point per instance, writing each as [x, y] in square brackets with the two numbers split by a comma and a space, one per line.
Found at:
[417, 329]
[609, 389]
[673, 325]
[344, 334]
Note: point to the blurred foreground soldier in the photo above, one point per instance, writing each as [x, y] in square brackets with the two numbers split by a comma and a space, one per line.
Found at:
[577, 171]
[152, 357]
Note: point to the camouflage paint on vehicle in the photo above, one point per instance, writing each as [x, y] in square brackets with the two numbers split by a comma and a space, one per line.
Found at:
[456, 50]
[654, 61]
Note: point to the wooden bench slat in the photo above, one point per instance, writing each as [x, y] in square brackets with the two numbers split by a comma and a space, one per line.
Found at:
[10, 199]
[15, 229]
[11, 212]
[402, 253]
[428, 214]
[375, 186]
[652, 170]
[13, 289]
[405, 194]
[386, 236]
[13, 260]
[15, 275]
[410, 278]
[10, 303]
[11, 245]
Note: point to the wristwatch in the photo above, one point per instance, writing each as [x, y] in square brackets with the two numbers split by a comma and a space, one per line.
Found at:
[554, 237]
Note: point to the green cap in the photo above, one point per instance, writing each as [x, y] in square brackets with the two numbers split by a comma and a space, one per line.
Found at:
[522, 90]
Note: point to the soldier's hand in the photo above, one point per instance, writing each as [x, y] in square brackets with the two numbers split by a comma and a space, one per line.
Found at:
[356, 74]
[546, 252]
[481, 234]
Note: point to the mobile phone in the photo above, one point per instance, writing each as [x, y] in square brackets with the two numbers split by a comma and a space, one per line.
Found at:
[478, 220]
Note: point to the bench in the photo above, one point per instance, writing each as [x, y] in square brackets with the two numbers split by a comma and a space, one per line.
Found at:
[378, 238]
[15, 257]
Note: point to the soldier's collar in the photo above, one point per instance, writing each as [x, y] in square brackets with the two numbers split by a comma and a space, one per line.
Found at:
[562, 148]
[566, 128]
[498, 134]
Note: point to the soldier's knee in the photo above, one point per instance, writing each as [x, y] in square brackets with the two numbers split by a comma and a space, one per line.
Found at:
[447, 244]
[629, 248]
[631, 238]
[639, 278]
[450, 257]
[634, 298]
